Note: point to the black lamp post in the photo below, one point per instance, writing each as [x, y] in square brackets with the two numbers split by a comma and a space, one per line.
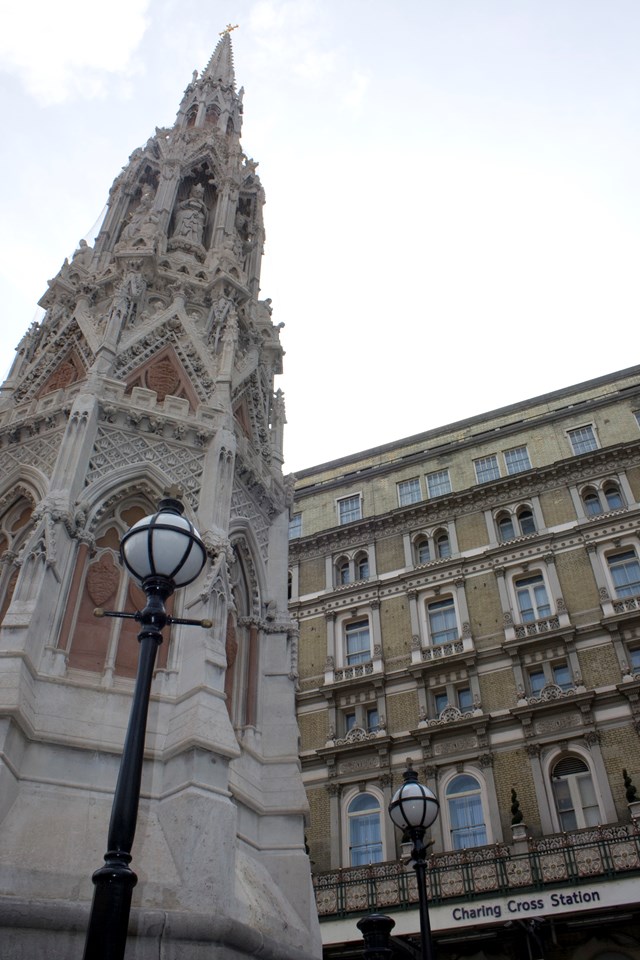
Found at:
[413, 809]
[162, 553]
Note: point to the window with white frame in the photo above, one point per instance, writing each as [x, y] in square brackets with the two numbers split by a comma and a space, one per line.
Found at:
[422, 550]
[582, 439]
[442, 621]
[543, 675]
[465, 813]
[443, 544]
[453, 696]
[574, 794]
[357, 642]
[295, 526]
[517, 460]
[487, 468]
[430, 546]
[350, 509]
[625, 572]
[343, 572]
[600, 499]
[438, 483]
[533, 601]
[409, 491]
[364, 815]
[518, 523]
[361, 565]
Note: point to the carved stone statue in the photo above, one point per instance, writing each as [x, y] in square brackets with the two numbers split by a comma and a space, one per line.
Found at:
[190, 217]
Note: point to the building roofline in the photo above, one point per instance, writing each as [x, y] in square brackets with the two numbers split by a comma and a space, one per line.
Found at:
[469, 421]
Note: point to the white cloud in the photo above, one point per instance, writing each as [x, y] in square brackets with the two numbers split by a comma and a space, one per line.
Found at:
[67, 50]
[355, 94]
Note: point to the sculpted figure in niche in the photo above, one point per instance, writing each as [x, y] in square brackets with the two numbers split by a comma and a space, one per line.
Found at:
[82, 256]
[190, 217]
[143, 223]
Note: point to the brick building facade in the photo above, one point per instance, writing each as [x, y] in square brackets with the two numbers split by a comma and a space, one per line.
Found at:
[470, 598]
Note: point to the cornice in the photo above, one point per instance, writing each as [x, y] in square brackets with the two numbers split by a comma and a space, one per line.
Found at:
[472, 500]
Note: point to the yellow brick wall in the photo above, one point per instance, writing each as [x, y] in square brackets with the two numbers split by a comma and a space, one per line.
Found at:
[312, 648]
[396, 626]
[633, 476]
[511, 769]
[314, 729]
[498, 690]
[579, 587]
[557, 507]
[599, 666]
[389, 554]
[471, 531]
[311, 576]
[319, 830]
[402, 712]
[621, 751]
[485, 612]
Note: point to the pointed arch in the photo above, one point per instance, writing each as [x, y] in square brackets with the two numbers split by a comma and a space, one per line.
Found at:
[17, 506]
[109, 646]
[247, 586]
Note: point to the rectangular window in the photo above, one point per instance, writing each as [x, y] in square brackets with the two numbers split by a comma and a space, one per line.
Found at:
[465, 699]
[357, 645]
[487, 468]
[349, 722]
[625, 573]
[532, 598]
[562, 676]
[349, 509]
[537, 681]
[295, 526]
[636, 414]
[443, 626]
[582, 439]
[372, 719]
[441, 700]
[409, 491]
[634, 659]
[438, 483]
[517, 460]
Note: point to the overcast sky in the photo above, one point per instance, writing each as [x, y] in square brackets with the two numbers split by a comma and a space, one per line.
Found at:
[453, 209]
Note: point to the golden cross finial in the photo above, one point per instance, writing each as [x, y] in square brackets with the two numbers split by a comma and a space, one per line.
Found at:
[229, 27]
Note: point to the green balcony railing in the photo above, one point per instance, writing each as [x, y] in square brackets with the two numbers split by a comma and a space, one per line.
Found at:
[605, 853]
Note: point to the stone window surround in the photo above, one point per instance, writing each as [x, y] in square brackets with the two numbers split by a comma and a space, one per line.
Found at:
[542, 762]
[410, 543]
[336, 622]
[533, 504]
[441, 829]
[418, 612]
[506, 577]
[331, 565]
[621, 481]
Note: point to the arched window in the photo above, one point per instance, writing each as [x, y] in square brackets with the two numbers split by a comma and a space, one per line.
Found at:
[527, 522]
[15, 524]
[574, 794]
[342, 572]
[466, 818]
[443, 546]
[423, 553]
[362, 566]
[591, 502]
[365, 836]
[613, 496]
[505, 527]
[191, 116]
[213, 113]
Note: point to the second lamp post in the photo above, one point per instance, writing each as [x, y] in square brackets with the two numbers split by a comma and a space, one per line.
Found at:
[413, 809]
